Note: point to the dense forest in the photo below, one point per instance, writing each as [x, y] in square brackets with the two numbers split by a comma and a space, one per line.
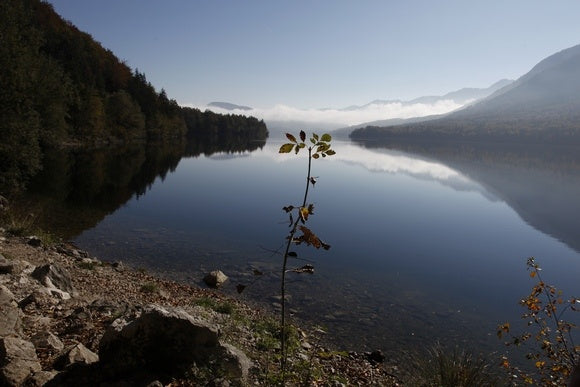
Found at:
[60, 87]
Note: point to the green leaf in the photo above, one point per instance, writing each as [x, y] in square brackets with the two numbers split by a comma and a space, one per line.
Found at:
[291, 137]
[326, 137]
[296, 148]
[286, 148]
[315, 156]
[315, 136]
[302, 136]
[330, 152]
[302, 145]
[322, 148]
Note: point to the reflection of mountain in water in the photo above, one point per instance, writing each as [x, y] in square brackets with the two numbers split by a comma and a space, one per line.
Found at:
[542, 184]
[78, 188]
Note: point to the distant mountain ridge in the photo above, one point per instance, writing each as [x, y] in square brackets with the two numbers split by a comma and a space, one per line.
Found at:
[228, 106]
[542, 105]
[461, 96]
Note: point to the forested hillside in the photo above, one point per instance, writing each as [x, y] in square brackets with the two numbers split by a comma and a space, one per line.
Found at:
[58, 86]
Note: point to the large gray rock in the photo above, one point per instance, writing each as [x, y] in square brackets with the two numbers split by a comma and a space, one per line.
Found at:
[53, 276]
[10, 320]
[18, 361]
[47, 340]
[168, 342]
[78, 354]
[162, 339]
[233, 362]
[215, 279]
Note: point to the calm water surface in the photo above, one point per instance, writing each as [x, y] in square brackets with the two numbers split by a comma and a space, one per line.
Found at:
[422, 250]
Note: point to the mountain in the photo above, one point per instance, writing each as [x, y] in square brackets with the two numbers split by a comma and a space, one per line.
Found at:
[465, 95]
[542, 105]
[228, 106]
[461, 97]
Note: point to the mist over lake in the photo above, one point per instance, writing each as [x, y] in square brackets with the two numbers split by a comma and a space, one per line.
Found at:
[428, 243]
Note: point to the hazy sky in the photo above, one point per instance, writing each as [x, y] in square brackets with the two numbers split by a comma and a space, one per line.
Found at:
[315, 54]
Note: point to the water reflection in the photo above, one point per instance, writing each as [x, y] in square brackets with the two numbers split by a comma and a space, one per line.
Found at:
[78, 188]
[395, 161]
[427, 241]
[541, 183]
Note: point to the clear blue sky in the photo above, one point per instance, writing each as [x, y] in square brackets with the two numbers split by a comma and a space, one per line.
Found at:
[314, 54]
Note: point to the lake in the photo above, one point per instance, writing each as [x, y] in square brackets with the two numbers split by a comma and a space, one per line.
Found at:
[429, 242]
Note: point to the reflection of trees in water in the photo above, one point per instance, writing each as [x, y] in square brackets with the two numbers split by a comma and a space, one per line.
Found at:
[76, 189]
[541, 183]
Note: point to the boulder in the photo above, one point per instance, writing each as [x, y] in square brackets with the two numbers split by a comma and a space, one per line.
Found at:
[375, 356]
[78, 354]
[215, 279]
[6, 266]
[47, 340]
[78, 320]
[53, 276]
[167, 342]
[10, 321]
[18, 361]
[39, 298]
[34, 241]
[71, 251]
[233, 362]
[41, 378]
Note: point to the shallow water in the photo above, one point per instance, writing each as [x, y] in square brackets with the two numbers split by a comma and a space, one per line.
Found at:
[428, 244]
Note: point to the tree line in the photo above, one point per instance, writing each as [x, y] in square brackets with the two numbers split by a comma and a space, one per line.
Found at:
[59, 86]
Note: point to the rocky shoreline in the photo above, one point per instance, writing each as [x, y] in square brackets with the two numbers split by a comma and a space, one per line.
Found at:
[67, 318]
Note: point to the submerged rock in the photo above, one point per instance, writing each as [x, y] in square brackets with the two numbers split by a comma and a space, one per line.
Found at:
[215, 279]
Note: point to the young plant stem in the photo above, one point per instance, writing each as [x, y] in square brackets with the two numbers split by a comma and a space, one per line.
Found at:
[284, 268]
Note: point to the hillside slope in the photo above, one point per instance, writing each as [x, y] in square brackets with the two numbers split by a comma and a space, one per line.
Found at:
[542, 105]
